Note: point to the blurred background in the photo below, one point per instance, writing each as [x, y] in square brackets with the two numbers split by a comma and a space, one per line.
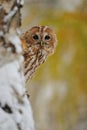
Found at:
[58, 91]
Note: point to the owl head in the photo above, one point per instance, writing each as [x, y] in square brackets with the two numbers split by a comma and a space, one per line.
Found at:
[42, 39]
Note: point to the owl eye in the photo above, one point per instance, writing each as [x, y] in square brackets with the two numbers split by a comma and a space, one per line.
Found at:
[35, 37]
[47, 37]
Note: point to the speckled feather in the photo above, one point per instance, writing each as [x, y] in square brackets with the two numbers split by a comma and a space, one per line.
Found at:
[38, 43]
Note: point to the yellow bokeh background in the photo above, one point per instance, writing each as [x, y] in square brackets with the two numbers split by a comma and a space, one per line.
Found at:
[58, 90]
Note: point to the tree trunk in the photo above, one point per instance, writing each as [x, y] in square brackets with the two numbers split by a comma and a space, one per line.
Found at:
[15, 109]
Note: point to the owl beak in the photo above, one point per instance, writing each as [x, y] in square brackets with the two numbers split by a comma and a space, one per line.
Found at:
[42, 43]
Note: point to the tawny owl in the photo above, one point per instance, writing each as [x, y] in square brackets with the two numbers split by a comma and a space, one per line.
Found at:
[38, 43]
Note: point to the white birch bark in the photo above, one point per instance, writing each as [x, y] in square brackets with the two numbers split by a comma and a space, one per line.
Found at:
[15, 109]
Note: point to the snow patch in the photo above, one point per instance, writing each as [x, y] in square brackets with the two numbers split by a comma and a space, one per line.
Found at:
[12, 93]
[16, 42]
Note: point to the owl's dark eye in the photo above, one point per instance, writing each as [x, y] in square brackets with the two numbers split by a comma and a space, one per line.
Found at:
[47, 37]
[35, 37]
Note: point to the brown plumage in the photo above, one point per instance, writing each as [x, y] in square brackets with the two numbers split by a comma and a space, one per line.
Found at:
[38, 43]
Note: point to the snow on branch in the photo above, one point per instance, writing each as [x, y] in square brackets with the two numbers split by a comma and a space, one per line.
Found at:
[15, 108]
